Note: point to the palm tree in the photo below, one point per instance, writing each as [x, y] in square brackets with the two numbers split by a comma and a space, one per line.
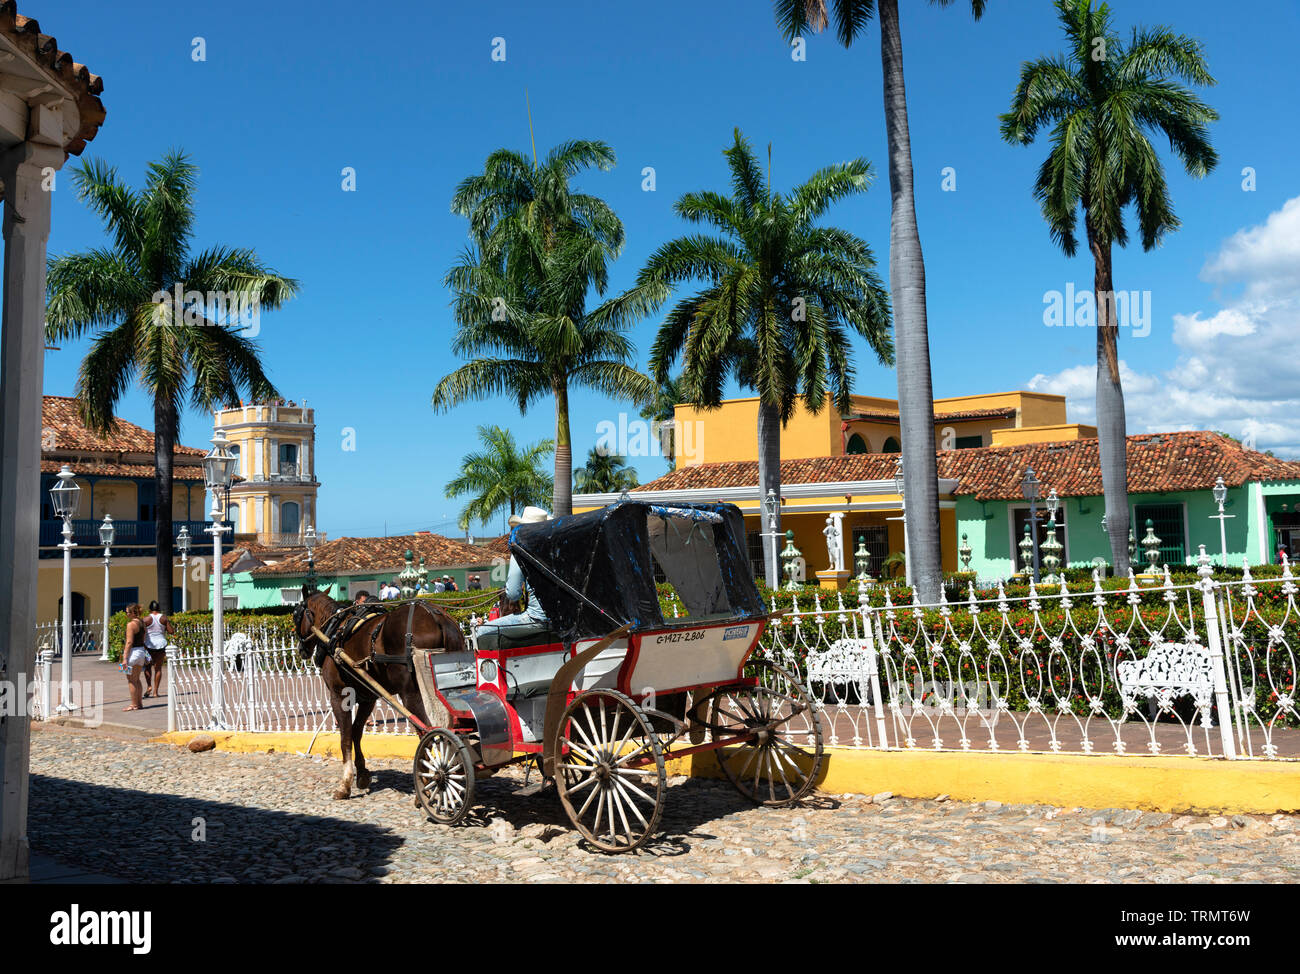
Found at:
[604, 473]
[502, 477]
[906, 270]
[781, 297]
[176, 350]
[1101, 109]
[521, 293]
[661, 410]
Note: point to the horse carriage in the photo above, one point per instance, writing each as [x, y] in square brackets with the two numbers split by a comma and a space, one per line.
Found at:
[609, 689]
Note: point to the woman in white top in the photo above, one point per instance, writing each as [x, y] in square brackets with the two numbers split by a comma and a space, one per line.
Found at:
[156, 629]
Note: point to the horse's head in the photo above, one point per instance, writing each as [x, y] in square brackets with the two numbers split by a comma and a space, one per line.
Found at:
[308, 617]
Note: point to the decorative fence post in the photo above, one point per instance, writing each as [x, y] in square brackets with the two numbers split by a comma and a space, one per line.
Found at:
[1210, 603]
[873, 665]
[47, 671]
[173, 659]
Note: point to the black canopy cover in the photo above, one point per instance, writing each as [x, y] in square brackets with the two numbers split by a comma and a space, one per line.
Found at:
[594, 572]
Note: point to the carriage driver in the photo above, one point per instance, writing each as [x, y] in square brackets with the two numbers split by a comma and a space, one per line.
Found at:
[517, 585]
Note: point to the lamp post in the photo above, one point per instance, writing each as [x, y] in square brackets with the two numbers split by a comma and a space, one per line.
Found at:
[309, 540]
[1029, 487]
[1220, 495]
[218, 475]
[183, 545]
[770, 505]
[899, 486]
[1052, 547]
[106, 539]
[66, 496]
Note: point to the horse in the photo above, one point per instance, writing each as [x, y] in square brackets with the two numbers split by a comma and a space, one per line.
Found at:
[374, 636]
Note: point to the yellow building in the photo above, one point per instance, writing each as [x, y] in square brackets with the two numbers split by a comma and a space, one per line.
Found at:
[116, 476]
[842, 464]
[276, 499]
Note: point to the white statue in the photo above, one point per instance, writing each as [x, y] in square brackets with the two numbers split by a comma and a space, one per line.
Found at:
[834, 533]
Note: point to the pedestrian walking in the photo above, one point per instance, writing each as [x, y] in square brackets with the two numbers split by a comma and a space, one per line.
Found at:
[157, 627]
[134, 654]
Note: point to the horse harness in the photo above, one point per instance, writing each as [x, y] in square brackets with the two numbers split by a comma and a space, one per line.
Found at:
[343, 625]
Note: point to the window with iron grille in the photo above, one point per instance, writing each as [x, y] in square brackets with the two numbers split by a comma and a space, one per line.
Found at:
[754, 545]
[1021, 518]
[120, 598]
[876, 539]
[1167, 522]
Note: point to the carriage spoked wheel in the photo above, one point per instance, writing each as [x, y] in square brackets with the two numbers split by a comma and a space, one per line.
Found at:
[444, 776]
[610, 770]
[780, 762]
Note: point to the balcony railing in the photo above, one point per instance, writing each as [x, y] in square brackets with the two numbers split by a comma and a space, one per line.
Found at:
[282, 539]
[126, 534]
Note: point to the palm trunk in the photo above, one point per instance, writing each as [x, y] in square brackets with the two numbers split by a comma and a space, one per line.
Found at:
[562, 494]
[769, 478]
[1111, 426]
[164, 441]
[911, 338]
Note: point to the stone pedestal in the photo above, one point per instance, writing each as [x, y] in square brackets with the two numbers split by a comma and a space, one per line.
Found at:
[833, 579]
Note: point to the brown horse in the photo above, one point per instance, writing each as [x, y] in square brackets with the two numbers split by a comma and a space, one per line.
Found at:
[363, 632]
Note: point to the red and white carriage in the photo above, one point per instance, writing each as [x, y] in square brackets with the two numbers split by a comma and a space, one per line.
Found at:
[609, 689]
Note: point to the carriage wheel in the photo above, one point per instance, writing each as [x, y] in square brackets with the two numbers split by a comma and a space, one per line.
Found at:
[611, 776]
[444, 776]
[780, 764]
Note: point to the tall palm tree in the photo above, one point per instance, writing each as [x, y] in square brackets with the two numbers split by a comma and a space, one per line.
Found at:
[781, 297]
[906, 270]
[661, 409]
[538, 249]
[502, 477]
[176, 350]
[1101, 110]
[604, 473]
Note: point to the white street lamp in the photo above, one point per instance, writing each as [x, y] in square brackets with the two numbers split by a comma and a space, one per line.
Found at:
[1220, 493]
[899, 487]
[218, 475]
[106, 539]
[183, 545]
[309, 542]
[66, 497]
[770, 507]
[1029, 488]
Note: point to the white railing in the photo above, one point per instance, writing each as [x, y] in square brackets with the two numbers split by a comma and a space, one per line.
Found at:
[86, 635]
[266, 686]
[1099, 672]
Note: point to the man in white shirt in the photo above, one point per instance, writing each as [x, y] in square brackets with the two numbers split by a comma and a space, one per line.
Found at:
[438, 586]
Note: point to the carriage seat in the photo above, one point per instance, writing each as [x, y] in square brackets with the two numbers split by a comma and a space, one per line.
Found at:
[517, 637]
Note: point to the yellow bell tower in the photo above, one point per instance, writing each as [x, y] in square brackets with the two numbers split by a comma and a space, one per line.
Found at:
[275, 500]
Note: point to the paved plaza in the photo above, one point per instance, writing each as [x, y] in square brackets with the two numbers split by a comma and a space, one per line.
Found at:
[122, 807]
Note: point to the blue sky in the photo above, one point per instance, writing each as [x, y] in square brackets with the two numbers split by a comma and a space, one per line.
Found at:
[409, 96]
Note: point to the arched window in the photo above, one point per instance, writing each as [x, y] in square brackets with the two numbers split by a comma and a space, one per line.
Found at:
[891, 446]
[857, 444]
[289, 518]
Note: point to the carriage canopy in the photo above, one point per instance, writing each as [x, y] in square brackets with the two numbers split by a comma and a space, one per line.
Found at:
[594, 572]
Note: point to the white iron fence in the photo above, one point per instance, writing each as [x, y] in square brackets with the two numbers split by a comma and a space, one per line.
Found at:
[265, 686]
[86, 635]
[1200, 669]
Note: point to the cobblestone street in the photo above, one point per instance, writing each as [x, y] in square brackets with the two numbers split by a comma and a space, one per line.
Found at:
[131, 809]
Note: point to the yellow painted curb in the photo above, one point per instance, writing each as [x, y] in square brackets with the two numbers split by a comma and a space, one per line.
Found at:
[1161, 784]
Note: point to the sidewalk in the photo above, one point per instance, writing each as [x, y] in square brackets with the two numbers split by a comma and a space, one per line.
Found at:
[149, 722]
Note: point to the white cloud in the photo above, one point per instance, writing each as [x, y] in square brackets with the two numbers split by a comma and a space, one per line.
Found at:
[1238, 369]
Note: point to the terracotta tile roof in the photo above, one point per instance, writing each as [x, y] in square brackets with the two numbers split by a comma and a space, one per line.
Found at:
[105, 469]
[1157, 463]
[956, 417]
[25, 34]
[499, 545]
[245, 554]
[345, 556]
[59, 417]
